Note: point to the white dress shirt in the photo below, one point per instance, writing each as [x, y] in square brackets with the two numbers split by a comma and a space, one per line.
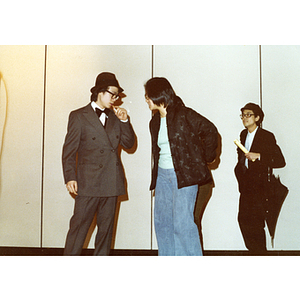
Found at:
[103, 115]
[248, 143]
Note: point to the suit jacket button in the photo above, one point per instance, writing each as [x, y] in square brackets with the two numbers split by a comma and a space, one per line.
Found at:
[100, 166]
[93, 138]
[112, 150]
[101, 151]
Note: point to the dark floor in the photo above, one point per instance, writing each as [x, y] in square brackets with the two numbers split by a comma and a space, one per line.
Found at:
[26, 251]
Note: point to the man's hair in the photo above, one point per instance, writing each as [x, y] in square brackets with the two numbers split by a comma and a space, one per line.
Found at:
[256, 110]
[94, 95]
[160, 91]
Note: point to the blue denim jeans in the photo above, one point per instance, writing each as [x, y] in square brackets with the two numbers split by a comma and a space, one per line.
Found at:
[175, 229]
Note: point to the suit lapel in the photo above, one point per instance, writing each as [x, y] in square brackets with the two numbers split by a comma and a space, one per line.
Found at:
[243, 136]
[256, 141]
[241, 157]
[92, 118]
[110, 123]
[108, 132]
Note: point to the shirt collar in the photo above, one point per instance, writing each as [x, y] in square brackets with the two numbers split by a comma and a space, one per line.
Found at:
[253, 132]
[95, 105]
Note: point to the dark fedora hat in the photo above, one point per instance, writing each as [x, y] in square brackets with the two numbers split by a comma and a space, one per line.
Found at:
[105, 79]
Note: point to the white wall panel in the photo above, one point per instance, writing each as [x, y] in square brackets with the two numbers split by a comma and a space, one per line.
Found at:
[21, 105]
[216, 81]
[281, 93]
[71, 72]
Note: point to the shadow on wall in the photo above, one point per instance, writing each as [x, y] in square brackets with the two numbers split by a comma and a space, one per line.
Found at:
[205, 192]
[3, 116]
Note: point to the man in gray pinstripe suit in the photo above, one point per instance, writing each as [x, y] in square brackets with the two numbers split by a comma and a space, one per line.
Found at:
[92, 168]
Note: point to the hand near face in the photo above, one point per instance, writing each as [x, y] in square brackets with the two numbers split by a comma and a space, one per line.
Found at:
[121, 113]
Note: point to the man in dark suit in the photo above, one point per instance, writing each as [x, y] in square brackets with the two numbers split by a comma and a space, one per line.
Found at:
[252, 175]
[91, 165]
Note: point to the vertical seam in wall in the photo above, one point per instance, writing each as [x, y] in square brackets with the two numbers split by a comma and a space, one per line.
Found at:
[260, 78]
[151, 232]
[43, 150]
[152, 61]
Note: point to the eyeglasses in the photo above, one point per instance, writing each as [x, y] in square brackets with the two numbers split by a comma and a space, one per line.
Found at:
[113, 96]
[246, 116]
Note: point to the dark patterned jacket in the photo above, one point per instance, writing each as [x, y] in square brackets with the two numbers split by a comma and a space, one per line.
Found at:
[193, 142]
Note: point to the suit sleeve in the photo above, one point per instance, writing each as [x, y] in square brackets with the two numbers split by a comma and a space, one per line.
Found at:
[70, 148]
[127, 135]
[271, 154]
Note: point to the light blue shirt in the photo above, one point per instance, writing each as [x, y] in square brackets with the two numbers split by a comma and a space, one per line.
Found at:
[165, 159]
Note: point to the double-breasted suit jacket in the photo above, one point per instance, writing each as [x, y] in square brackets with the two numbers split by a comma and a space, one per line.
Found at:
[90, 153]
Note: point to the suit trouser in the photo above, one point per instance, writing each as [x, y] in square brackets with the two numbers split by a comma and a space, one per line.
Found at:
[252, 222]
[204, 194]
[84, 212]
